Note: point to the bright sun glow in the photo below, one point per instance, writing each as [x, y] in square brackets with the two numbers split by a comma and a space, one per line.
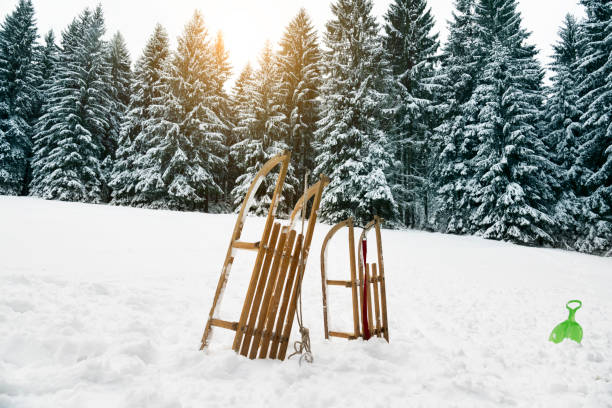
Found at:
[247, 24]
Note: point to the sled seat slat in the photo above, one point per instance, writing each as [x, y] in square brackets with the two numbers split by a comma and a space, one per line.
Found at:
[250, 246]
[224, 324]
[344, 335]
[344, 283]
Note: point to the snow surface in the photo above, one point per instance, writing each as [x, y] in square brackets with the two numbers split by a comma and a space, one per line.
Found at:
[104, 307]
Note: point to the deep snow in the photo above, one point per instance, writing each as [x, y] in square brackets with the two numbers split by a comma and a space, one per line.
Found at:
[104, 307]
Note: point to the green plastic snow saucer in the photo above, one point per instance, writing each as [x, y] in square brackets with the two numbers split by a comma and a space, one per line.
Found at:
[568, 329]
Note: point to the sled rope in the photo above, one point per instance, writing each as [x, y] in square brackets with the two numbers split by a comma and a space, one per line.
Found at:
[364, 312]
[302, 347]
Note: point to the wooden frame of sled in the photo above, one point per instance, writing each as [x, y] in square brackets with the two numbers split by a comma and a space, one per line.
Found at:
[376, 300]
[269, 308]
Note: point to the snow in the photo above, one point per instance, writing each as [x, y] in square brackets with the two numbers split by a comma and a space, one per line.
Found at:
[105, 306]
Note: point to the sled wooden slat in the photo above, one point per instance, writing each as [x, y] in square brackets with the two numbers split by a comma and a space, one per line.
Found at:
[256, 303]
[347, 284]
[381, 274]
[275, 301]
[376, 299]
[375, 332]
[224, 324]
[261, 255]
[343, 335]
[355, 284]
[360, 289]
[267, 297]
[251, 246]
[295, 259]
[288, 325]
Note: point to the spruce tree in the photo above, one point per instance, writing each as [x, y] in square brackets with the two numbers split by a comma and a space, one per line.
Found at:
[562, 114]
[118, 58]
[18, 96]
[46, 62]
[356, 106]
[186, 132]
[299, 60]
[223, 109]
[68, 149]
[456, 78]
[242, 111]
[562, 131]
[513, 178]
[262, 130]
[47, 57]
[221, 57]
[412, 46]
[593, 168]
[136, 179]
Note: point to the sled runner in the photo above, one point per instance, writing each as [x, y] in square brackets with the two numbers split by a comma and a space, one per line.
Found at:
[269, 308]
[368, 290]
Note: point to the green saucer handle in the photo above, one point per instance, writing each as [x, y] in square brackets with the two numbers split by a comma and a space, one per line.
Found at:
[575, 308]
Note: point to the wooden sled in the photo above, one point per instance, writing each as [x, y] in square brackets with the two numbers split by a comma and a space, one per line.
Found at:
[269, 308]
[375, 273]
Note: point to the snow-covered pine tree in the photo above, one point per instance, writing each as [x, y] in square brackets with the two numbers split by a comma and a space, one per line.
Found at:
[118, 59]
[593, 168]
[411, 46]
[186, 131]
[223, 110]
[562, 131]
[136, 180]
[299, 59]
[242, 111]
[262, 129]
[221, 55]
[68, 149]
[562, 114]
[457, 143]
[18, 96]
[47, 56]
[513, 176]
[356, 107]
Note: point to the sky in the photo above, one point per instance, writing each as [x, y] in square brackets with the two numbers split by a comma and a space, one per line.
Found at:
[247, 24]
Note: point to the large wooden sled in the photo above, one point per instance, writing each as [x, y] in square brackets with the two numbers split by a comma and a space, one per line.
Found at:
[376, 300]
[264, 326]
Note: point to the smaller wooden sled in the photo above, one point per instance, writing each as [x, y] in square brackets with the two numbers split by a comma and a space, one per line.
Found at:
[372, 273]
